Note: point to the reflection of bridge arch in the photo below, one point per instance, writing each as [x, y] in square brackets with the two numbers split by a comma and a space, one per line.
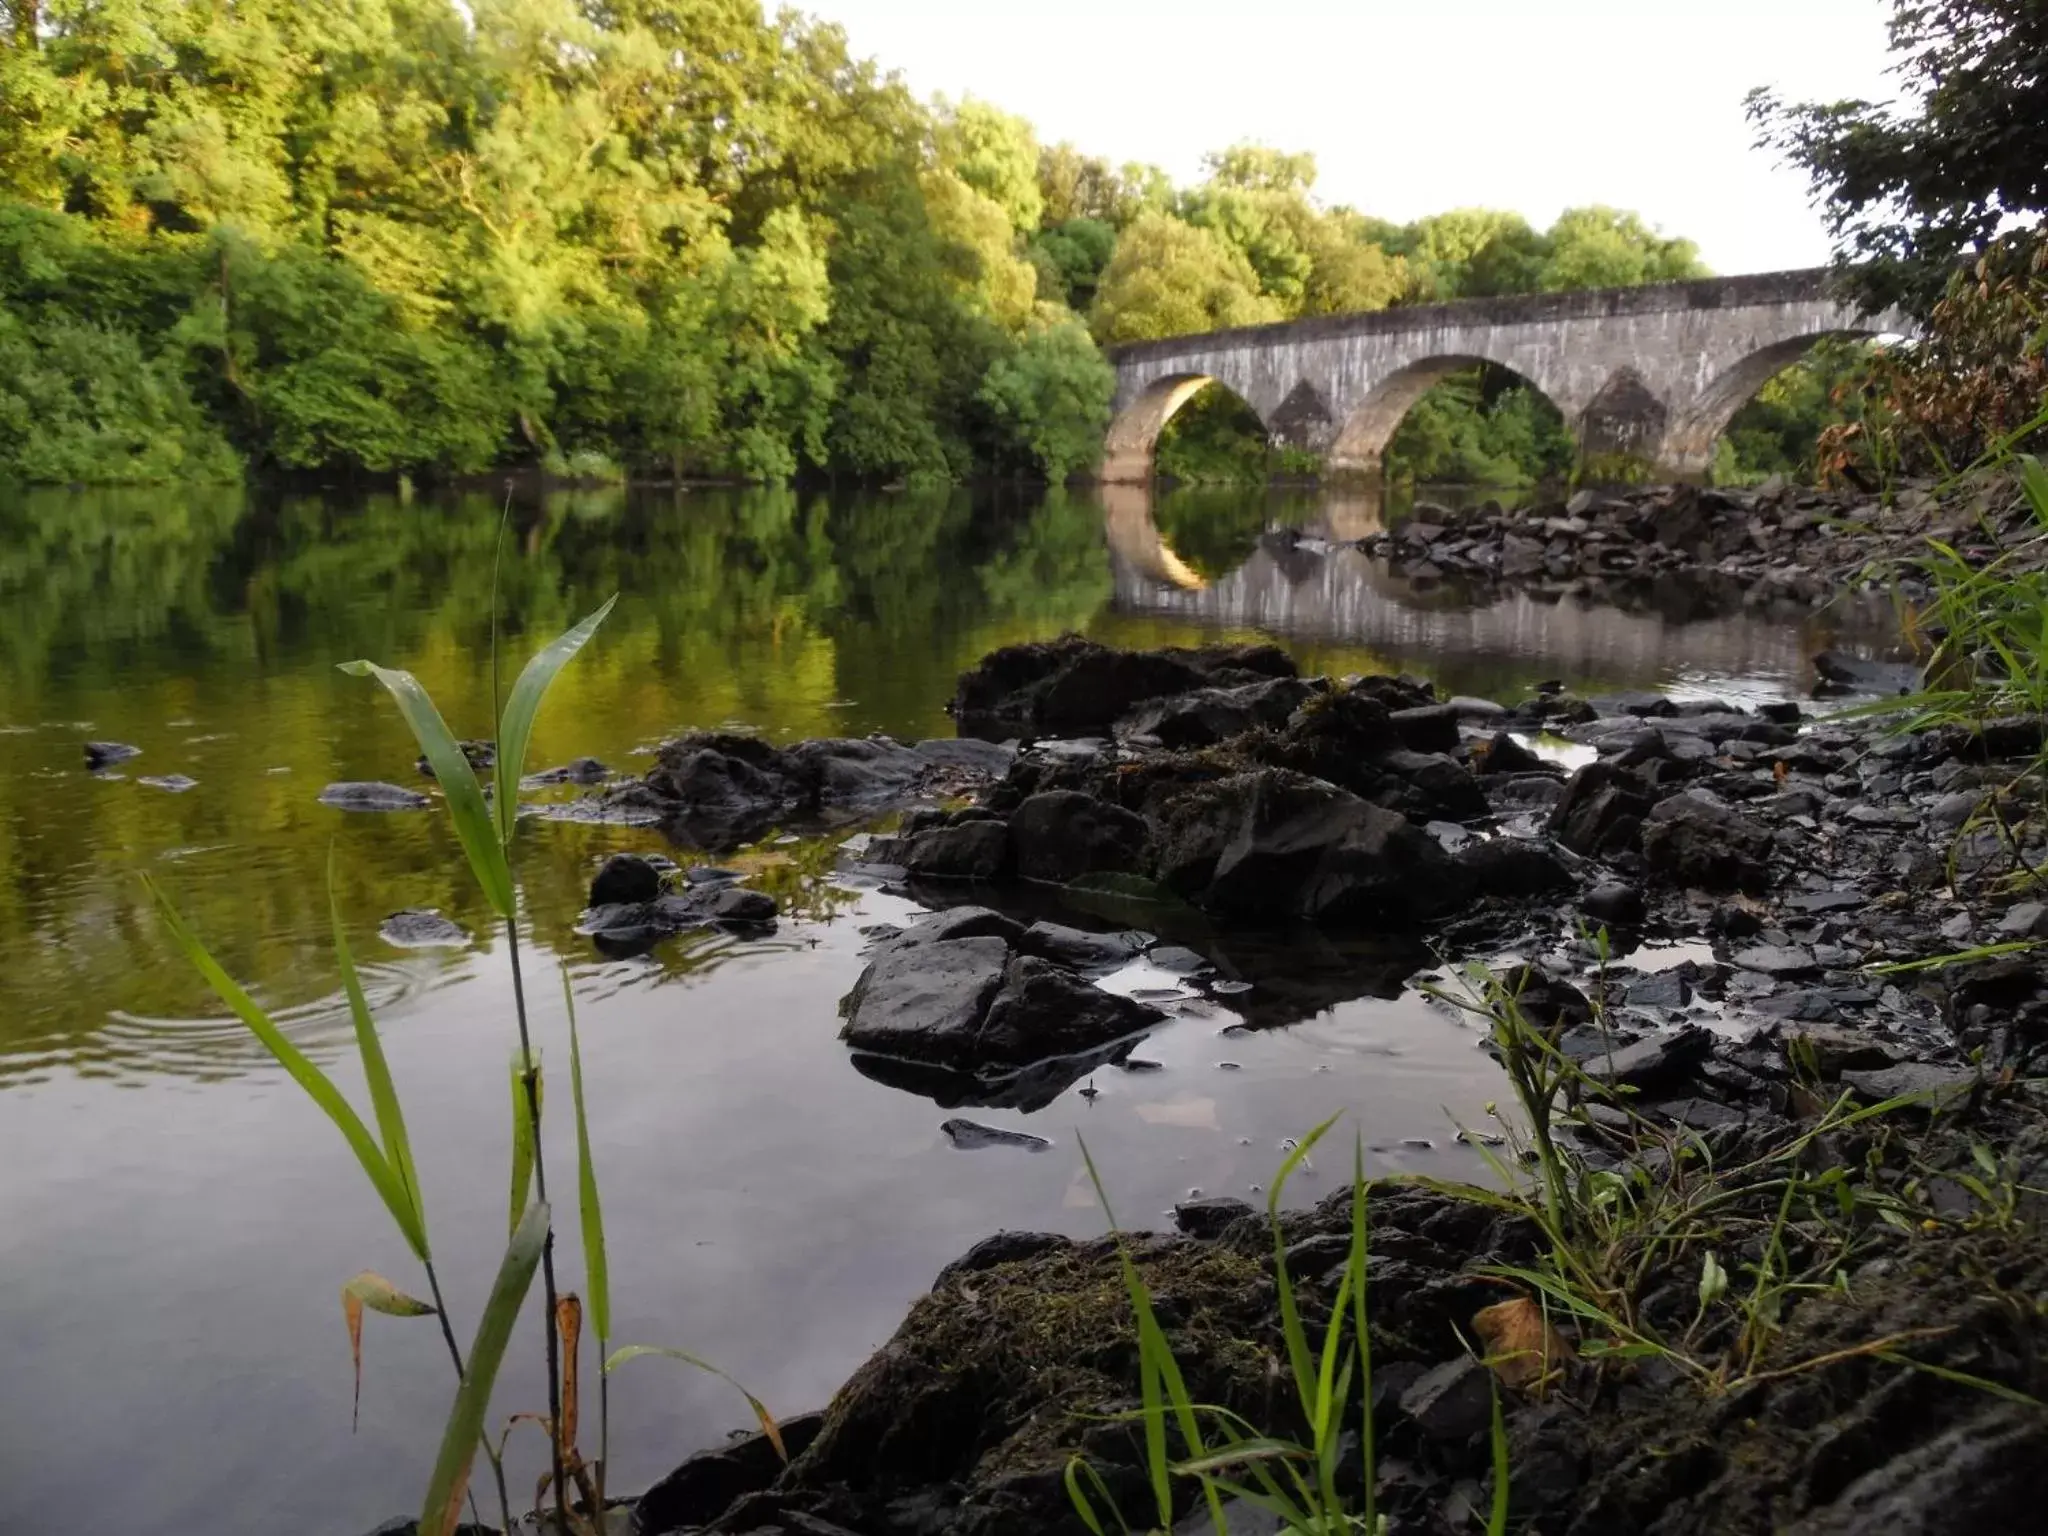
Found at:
[1137, 547]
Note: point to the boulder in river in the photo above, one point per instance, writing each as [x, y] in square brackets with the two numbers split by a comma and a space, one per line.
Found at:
[1077, 687]
[104, 754]
[977, 1005]
[717, 790]
[358, 795]
[1271, 845]
[1062, 835]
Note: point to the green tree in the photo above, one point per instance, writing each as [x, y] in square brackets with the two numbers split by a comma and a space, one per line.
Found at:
[1910, 188]
[1170, 278]
[1601, 247]
[994, 153]
[1049, 400]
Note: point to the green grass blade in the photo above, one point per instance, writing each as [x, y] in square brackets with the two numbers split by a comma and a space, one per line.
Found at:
[769, 1425]
[1300, 1359]
[1157, 1462]
[457, 779]
[1367, 1451]
[597, 1269]
[465, 1427]
[522, 1135]
[515, 725]
[376, 1071]
[384, 1178]
[1497, 1516]
[1084, 1507]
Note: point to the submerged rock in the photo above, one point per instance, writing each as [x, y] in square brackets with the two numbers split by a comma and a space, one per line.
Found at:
[631, 927]
[175, 783]
[104, 754]
[969, 1135]
[422, 928]
[480, 755]
[581, 770]
[372, 796]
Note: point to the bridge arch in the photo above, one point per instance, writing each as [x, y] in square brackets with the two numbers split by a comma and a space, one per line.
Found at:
[1687, 449]
[1127, 450]
[1355, 454]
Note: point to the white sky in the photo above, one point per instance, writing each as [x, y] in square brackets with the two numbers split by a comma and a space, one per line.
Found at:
[1415, 106]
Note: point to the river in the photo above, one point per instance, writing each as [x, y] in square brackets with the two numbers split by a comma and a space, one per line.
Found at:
[178, 1219]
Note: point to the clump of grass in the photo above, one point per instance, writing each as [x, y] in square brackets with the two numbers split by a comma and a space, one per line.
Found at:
[1297, 1480]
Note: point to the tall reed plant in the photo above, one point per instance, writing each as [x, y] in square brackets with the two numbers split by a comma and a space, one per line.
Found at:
[486, 825]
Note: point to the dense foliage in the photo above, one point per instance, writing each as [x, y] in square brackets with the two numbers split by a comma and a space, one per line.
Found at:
[632, 236]
[1912, 189]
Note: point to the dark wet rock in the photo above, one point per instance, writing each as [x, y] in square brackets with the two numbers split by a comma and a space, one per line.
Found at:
[1075, 687]
[1691, 840]
[1661, 1061]
[1179, 959]
[1663, 989]
[1838, 899]
[968, 755]
[1502, 753]
[971, 1135]
[104, 754]
[1271, 845]
[631, 927]
[1024, 1089]
[926, 1001]
[719, 789]
[624, 877]
[2024, 920]
[173, 783]
[1206, 716]
[1513, 867]
[360, 796]
[972, 850]
[1602, 811]
[1615, 902]
[1061, 835]
[480, 755]
[1777, 960]
[1546, 1001]
[1427, 727]
[1454, 1401]
[1081, 950]
[708, 1483]
[422, 928]
[1208, 1216]
[971, 1005]
[1002, 1248]
[737, 904]
[1940, 1086]
[580, 770]
[963, 923]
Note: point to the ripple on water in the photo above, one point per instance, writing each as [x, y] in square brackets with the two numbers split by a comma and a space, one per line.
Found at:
[143, 1045]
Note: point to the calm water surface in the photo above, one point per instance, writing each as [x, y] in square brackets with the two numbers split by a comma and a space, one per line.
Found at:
[178, 1220]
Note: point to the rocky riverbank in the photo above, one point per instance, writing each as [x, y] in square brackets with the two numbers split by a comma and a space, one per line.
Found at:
[1719, 916]
[1773, 545]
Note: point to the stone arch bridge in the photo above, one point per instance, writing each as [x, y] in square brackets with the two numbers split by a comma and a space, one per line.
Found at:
[1652, 372]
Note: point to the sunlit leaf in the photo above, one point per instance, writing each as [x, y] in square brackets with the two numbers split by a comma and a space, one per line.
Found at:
[457, 779]
[384, 1178]
[515, 725]
[769, 1426]
[459, 1439]
[372, 1290]
[376, 1071]
[594, 1262]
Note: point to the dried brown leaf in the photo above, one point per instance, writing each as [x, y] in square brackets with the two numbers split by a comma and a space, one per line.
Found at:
[1521, 1345]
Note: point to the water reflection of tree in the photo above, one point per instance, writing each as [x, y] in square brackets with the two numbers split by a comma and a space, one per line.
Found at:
[765, 606]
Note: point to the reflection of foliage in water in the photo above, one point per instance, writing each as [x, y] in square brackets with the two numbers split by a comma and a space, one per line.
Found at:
[1213, 531]
[206, 628]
